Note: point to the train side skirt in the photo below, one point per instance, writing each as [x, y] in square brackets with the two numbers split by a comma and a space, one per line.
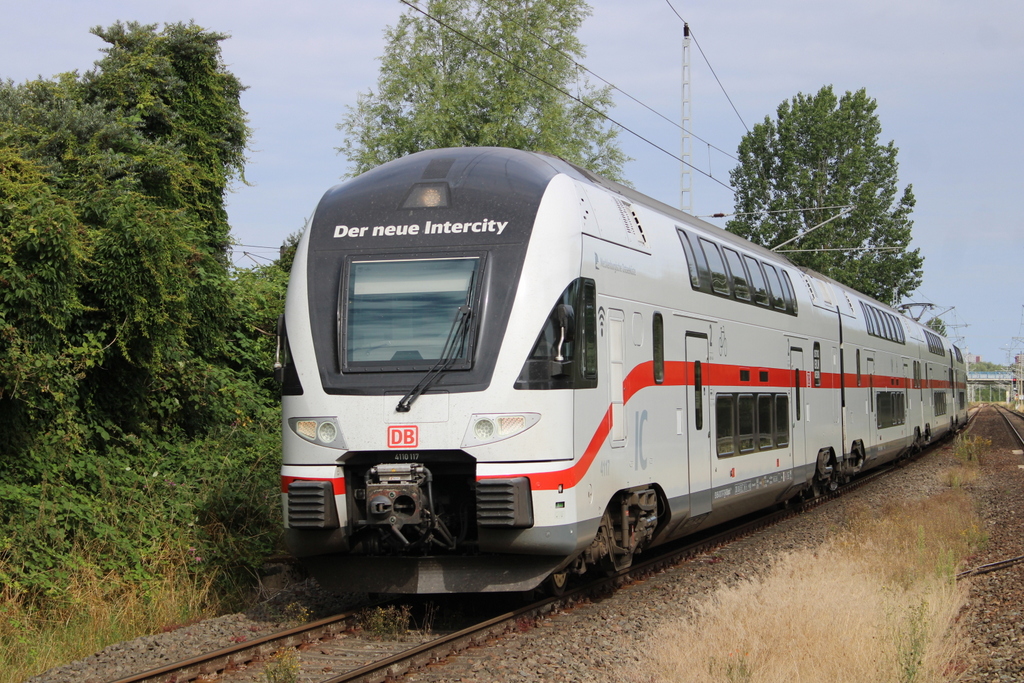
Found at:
[442, 574]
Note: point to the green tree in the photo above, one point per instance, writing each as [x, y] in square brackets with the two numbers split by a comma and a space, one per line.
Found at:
[822, 151]
[485, 73]
[137, 411]
[141, 151]
[937, 325]
[175, 85]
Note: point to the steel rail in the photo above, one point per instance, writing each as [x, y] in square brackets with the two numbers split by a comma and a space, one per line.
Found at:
[243, 653]
[1005, 414]
[1013, 561]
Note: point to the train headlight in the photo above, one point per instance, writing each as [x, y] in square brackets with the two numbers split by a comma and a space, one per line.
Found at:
[327, 432]
[491, 427]
[483, 429]
[323, 431]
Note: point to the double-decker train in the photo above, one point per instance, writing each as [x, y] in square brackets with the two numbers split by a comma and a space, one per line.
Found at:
[499, 369]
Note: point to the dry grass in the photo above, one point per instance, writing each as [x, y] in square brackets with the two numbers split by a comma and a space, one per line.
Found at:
[960, 476]
[968, 450]
[876, 603]
[101, 609]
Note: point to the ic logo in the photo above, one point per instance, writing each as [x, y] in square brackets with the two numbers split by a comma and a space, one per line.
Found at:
[403, 436]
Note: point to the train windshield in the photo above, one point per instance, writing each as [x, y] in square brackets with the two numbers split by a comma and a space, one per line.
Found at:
[398, 314]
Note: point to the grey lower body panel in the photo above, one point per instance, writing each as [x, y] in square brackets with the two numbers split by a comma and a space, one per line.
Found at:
[437, 574]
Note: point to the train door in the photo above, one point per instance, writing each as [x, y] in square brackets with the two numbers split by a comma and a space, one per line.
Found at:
[598, 416]
[869, 366]
[908, 414]
[698, 421]
[617, 376]
[798, 410]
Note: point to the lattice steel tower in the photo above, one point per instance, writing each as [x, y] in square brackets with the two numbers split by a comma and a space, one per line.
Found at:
[685, 179]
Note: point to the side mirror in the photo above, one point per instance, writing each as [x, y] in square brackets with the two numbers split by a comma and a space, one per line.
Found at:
[567, 322]
[278, 368]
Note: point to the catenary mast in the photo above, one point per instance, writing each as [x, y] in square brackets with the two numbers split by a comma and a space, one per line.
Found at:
[685, 179]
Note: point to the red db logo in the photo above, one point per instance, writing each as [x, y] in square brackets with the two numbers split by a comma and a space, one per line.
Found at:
[400, 436]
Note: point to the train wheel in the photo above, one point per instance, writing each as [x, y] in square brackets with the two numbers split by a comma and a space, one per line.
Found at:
[615, 558]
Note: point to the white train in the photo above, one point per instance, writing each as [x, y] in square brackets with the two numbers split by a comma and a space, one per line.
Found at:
[499, 368]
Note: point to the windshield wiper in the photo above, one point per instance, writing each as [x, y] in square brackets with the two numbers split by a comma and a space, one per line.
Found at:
[452, 349]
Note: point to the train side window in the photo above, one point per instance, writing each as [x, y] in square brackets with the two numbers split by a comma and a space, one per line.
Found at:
[698, 396]
[897, 328]
[940, 403]
[858, 367]
[740, 283]
[816, 355]
[787, 285]
[879, 323]
[781, 420]
[577, 367]
[658, 328]
[868, 322]
[725, 425]
[775, 290]
[765, 424]
[695, 265]
[588, 326]
[757, 281]
[719, 278]
[746, 422]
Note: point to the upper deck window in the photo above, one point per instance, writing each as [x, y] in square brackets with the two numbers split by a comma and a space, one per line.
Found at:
[775, 287]
[757, 280]
[740, 287]
[719, 278]
[934, 343]
[694, 260]
[399, 314]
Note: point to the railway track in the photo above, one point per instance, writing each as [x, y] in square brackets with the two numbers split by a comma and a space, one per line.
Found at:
[339, 660]
[1009, 416]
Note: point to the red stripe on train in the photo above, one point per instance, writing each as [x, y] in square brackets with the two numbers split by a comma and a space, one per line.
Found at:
[680, 373]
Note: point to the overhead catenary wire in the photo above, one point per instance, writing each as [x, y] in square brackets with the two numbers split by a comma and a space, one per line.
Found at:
[551, 85]
[790, 251]
[755, 213]
[612, 85]
[708, 62]
[256, 246]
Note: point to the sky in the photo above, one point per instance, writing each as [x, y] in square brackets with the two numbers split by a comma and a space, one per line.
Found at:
[948, 78]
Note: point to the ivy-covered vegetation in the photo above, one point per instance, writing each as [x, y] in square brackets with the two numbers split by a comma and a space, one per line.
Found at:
[138, 416]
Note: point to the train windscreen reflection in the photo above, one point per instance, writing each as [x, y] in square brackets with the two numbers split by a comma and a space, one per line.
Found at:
[400, 312]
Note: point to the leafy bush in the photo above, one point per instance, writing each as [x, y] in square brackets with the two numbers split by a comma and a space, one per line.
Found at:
[138, 416]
